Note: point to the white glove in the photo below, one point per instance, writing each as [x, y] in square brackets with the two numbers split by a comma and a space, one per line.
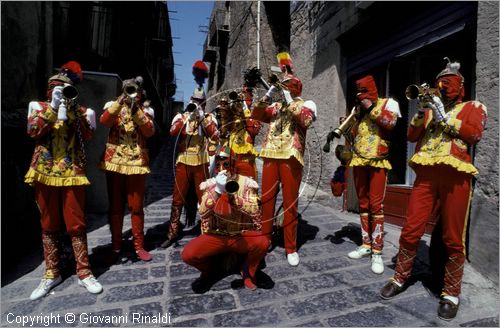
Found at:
[288, 97]
[90, 114]
[61, 112]
[56, 97]
[272, 90]
[220, 182]
[438, 109]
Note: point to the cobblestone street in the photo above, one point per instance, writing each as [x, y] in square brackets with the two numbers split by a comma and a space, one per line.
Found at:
[326, 289]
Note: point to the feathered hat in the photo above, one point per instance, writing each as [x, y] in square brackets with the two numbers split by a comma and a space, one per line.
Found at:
[285, 62]
[200, 72]
[451, 69]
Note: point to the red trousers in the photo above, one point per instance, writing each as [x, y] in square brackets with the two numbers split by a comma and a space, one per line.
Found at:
[185, 176]
[71, 200]
[453, 189]
[289, 173]
[198, 251]
[128, 189]
[370, 187]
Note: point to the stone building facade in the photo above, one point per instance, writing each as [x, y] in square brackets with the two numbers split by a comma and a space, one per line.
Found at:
[399, 43]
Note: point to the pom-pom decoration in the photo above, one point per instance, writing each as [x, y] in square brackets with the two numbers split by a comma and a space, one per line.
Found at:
[285, 62]
[200, 72]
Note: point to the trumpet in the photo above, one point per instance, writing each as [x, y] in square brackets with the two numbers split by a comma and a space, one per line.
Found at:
[232, 186]
[343, 129]
[131, 90]
[234, 96]
[70, 93]
[423, 92]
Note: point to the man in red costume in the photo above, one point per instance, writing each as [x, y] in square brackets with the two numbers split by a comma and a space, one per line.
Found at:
[57, 172]
[193, 130]
[230, 222]
[238, 132]
[376, 117]
[126, 162]
[283, 152]
[445, 129]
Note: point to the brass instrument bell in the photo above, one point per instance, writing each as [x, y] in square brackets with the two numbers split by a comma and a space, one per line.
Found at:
[414, 91]
[232, 186]
[131, 90]
[346, 126]
[70, 93]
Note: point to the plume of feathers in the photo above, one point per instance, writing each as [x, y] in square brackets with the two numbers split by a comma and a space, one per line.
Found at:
[200, 72]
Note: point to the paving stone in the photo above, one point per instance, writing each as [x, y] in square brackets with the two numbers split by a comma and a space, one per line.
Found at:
[158, 272]
[316, 304]
[180, 287]
[206, 303]
[485, 322]
[146, 309]
[320, 281]
[191, 323]
[281, 290]
[266, 315]
[58, 303]
[179, 270]
[20, 308]
[377, 317]
[284, 270]
[315, 265]
[19, 290]
[125, 293]
[105, 318]
[313, 323]
[122, 276]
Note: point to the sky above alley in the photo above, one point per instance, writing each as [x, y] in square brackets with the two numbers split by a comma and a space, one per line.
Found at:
[189, 21]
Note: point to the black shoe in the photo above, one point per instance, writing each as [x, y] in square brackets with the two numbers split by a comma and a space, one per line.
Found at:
[390, 290]
[447, 310]
[202, 284]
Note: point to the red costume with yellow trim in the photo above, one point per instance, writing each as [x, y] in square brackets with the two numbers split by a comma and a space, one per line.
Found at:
[283, 153]
[370, 147]
[126, 162]
[194, 130]
[57, 171]
[230, 222]
[238, 131]
[444, 171]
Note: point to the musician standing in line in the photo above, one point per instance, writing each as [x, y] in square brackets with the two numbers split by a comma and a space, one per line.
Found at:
[194, 129]
[238, 132]
[57, 172]
[126, 163]
[445, 129]
[283, 152]
[376, 117]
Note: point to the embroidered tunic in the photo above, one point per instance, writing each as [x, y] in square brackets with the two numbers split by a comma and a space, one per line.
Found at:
[246, 210]
[192, 138]
[288, 125]
[448, 143]
[59, 156]
[126, 151]
[371, 137]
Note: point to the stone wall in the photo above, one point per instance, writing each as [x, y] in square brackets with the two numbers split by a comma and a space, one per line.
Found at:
[483, 249]
[29, 39]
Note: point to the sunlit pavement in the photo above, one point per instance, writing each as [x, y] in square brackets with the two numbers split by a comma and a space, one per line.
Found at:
[326, 289]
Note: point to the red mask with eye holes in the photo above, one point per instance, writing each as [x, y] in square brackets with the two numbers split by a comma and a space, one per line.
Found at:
[366, 89]
[451, 88]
